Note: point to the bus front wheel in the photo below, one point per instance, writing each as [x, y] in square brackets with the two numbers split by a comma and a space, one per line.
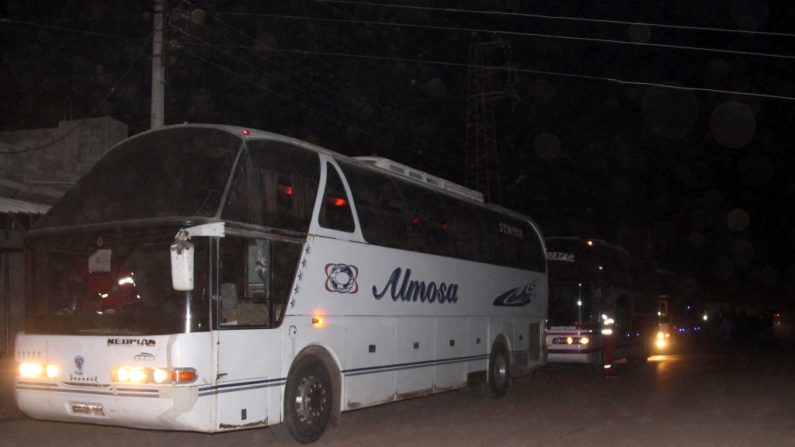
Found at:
[308, 399]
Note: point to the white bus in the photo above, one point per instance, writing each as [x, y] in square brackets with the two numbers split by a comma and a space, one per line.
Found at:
[214, 278]
[603, 303]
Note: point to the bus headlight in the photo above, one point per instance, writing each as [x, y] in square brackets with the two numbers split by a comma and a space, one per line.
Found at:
[52, 371]
[661, 343]
[32, 370]
[582, 341]
[144, 375]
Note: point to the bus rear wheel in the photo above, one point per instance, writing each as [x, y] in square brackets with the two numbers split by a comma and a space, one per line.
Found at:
[499, 375]
[499, 372]
[308, 400]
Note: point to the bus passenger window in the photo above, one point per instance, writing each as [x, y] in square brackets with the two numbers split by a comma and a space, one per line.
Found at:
[335, 211]
[379, 207]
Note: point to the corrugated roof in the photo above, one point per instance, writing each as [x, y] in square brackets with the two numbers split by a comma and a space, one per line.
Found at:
[19, 206]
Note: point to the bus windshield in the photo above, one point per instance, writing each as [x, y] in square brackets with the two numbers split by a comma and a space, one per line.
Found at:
[174, 172]
[570, 304]
[114, 282]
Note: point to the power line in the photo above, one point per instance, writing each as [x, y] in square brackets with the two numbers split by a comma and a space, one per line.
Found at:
[93, 111]
[319, 113]
[271, 74]
[298, 72]
[395, 35]
[562, 18]
[271, 91]
[541, 72]
[519, 34]
[290, 70]
[69, 30]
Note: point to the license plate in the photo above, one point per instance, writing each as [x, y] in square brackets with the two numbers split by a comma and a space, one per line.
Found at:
[87, 409]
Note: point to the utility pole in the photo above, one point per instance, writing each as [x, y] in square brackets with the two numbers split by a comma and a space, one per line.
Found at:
[489, 79]
[158, 75]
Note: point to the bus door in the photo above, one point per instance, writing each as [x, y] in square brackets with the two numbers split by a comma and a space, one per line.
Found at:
[254, 277]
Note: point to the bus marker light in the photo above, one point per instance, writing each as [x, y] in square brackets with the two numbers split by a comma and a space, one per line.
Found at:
[183, 375]
[317, 322]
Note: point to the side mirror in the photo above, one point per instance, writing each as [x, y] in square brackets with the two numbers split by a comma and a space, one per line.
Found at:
[182, 265]
[182, 253]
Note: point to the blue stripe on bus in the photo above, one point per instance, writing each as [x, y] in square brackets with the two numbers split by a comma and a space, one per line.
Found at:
[241, 386]
[420, 364]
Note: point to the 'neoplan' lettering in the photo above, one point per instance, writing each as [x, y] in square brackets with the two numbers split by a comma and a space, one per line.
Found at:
[131, 342]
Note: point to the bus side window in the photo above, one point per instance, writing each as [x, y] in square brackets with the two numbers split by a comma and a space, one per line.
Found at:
[275, 185]
[379, 206]
[335, 211]
[427, 218]
[464, 228]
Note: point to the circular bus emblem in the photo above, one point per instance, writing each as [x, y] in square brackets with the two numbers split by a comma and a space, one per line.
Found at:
[341, 278]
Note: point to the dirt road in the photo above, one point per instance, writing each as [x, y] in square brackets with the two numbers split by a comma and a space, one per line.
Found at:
[719, 395]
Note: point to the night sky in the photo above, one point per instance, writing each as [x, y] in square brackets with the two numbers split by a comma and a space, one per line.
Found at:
[666, 127]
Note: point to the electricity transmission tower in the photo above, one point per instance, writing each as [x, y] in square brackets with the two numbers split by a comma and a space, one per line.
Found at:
[489, 79]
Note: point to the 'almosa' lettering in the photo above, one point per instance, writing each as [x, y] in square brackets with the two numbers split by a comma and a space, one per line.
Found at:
[402, 288]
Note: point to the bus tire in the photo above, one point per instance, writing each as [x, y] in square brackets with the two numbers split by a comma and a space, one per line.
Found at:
[308, 398]
[499, 372]
[499, 375]
[640, 357]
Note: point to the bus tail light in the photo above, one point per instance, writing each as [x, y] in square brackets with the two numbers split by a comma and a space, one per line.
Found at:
[145, 375]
